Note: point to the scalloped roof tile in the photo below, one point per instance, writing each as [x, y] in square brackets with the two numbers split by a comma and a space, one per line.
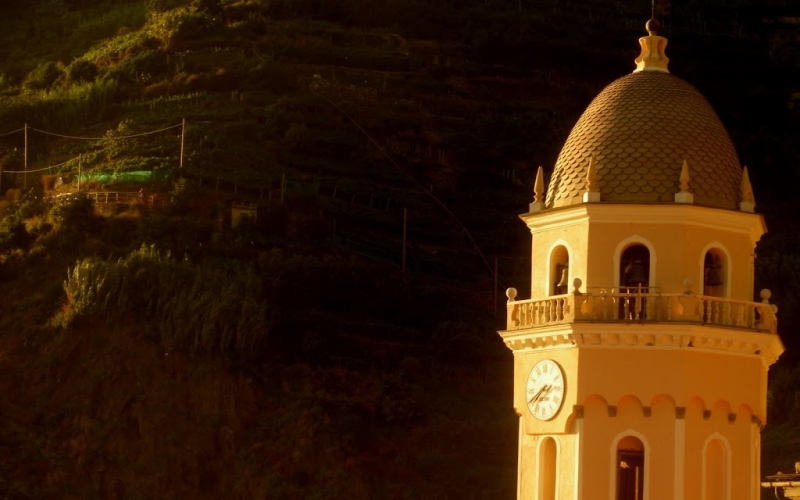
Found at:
[642, 126]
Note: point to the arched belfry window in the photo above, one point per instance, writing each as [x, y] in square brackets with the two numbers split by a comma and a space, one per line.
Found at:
[559, 270]
[634, 269]
[630, 469]
[714, 273]
[548, 461]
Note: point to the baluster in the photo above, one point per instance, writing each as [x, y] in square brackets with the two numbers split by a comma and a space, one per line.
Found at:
[626, 306]
[650, 303]
[740, 314]
[715, 305]
[727, 313]
[562, 305]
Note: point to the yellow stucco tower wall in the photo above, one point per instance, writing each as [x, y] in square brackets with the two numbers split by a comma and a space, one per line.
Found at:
[641, 358]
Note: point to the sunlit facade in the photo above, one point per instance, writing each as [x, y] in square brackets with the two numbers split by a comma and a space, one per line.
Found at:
[641, 358]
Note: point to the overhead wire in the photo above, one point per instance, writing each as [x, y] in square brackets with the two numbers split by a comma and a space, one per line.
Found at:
[429, 193]
[104, 137]
[38, 170]
[13, 132]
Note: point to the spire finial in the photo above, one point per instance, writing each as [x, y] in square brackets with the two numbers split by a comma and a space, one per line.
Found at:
[538, 186]
[538, 191]
[592, 194]
[684, 196]
[748, 201]
[685, 177]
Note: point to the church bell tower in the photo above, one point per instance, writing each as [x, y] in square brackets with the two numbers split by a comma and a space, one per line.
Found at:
[641, 358]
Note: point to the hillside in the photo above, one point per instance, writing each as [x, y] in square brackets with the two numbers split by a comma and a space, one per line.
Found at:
[292, 356]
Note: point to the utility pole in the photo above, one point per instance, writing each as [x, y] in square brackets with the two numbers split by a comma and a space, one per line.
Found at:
[405, 225]
[183, 136]
[495, 284]
[25, 175]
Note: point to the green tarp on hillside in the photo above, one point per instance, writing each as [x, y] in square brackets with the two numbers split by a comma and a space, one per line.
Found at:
[136, 176]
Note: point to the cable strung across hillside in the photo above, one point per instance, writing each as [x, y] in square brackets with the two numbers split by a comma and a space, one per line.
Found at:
[37, 170]
[13, 132]
[437, 200]
[101, 138]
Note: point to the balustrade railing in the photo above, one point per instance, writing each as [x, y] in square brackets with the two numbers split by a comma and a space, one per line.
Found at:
[641, 306]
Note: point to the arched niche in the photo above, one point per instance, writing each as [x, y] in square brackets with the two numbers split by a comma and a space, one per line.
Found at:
[716, 468]
[548, 469]
[716, 271]
[559, 275]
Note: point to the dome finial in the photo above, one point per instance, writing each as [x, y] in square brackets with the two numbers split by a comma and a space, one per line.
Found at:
[652, 26]
[653, 56]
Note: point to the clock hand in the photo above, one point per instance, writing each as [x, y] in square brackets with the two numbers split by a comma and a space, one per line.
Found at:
[536, 396]
[543, 397]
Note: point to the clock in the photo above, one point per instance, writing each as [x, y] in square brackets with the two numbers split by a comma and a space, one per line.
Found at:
[544, 390]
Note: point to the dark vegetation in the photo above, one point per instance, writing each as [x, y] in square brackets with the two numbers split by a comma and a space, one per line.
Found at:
[150, 350]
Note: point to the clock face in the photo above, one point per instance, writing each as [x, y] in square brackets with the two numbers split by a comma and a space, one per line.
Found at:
[544, 391]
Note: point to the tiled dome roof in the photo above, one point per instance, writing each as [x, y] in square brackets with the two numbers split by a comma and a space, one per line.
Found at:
[639, 130]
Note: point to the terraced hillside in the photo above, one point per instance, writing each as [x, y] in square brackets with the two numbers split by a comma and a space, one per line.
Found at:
[292, 356]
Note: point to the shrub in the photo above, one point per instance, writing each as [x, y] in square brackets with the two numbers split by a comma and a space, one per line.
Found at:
[75, 213]
[297, 136]
[141, 67]
[178, 25]
[196, 309]
[81, 70]
[13, 234]
[44, 76]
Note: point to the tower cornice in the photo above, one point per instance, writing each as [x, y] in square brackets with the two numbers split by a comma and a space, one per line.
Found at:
[749, 223]
[722, 340]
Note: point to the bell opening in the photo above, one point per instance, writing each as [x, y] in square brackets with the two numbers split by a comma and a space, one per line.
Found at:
[714, 274]
[635, 268]
[559, 271]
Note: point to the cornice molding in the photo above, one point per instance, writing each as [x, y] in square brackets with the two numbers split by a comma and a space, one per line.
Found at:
[702, 338]
[652, 214]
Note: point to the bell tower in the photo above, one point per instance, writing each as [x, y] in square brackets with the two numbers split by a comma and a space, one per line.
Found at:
[641, 358]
